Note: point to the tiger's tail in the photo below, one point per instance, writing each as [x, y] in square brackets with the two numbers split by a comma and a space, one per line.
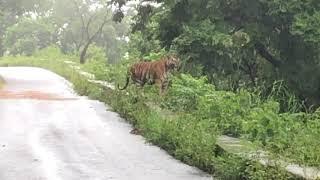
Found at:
[127, 83]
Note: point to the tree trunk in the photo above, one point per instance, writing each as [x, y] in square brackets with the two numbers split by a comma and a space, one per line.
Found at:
[262, 50]
[84, 52]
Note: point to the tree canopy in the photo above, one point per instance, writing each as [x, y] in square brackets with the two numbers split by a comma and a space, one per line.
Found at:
[30, 25]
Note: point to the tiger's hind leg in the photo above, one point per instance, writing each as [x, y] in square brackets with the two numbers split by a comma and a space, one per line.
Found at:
[139, 86]
[142, 89]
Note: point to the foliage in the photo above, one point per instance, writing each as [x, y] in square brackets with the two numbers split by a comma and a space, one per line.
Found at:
[97, 67]
[52, 52]
[85, 26]
[29, 25]
[27, 36]
[153, 56]
[256, 171]
[287, 99]
[11, 12]
[96, 53]
[239, 43]
[185, 93]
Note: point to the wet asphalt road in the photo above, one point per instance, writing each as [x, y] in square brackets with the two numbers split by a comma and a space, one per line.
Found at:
[73, 139]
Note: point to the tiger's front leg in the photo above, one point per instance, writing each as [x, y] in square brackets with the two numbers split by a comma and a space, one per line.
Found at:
[164, 86]
[158, 83]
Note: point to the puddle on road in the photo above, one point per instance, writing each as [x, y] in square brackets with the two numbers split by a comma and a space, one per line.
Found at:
[38, 95]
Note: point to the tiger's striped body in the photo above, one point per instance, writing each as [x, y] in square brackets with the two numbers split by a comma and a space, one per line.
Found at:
[152, 72]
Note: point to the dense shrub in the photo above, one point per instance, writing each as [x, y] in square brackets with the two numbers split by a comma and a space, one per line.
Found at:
[185, 92]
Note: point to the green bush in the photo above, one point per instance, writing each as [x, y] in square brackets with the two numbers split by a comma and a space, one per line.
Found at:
[52, 53]
[96, 53]
[153, 56]
[185, 92]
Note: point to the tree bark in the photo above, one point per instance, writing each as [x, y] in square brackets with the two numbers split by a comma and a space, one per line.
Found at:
[86, 33]
[262, 50]
[84, 52]
[85, 49]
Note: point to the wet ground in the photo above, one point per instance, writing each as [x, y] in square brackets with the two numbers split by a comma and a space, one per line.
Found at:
[48, 132]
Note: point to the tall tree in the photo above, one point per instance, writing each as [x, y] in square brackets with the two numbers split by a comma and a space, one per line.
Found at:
[87, 18]
[13, 10]
[83, 23]
[28, 35]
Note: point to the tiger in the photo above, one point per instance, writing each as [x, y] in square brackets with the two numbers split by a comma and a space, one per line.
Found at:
[151, 73]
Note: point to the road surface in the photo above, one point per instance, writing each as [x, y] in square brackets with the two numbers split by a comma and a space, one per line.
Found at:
[47, 132]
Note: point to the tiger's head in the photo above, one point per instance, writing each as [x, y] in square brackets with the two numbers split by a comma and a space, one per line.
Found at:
[173, 62]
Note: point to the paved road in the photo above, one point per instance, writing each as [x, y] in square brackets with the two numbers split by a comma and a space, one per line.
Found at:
[70, 137]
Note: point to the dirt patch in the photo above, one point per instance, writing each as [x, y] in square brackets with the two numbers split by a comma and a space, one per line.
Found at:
[31, 95]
